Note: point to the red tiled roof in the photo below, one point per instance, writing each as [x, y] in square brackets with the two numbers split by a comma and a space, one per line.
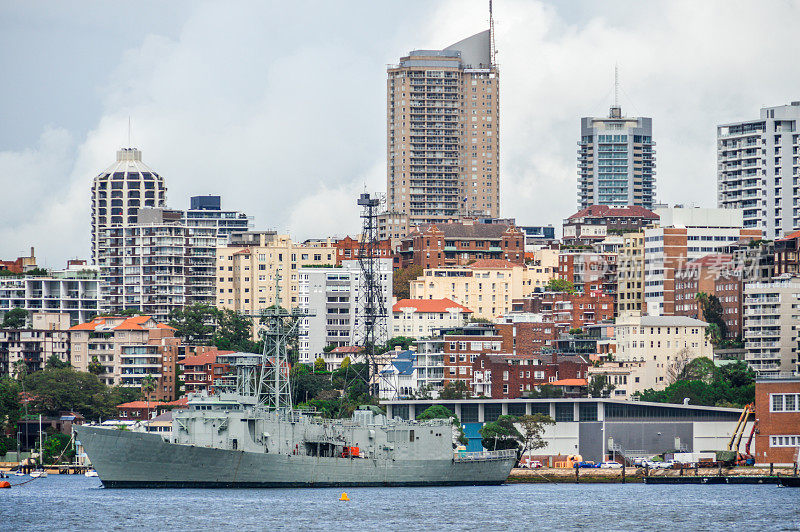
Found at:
[569, 382]
[791, 236]
[428, 305]
[140, 404]
[348, 349]
[133, 323]
[601, 211]
[209, 357]
[492, 264]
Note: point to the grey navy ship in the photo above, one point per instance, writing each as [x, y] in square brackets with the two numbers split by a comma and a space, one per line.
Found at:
[247, 434]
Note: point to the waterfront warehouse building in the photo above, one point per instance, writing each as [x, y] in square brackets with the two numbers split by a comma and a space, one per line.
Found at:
[443, 133]
[595, 428]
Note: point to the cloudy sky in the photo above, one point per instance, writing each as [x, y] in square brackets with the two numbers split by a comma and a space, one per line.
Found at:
[280, 106]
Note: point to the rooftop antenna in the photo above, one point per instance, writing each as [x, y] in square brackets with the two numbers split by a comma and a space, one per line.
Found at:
[129, 131]
[492, 49]
[616, 111]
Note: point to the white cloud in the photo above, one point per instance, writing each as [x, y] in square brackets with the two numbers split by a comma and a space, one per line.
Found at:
[280, 108]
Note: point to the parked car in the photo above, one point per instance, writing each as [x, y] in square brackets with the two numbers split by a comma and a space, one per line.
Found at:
[610, 465]
[586, 463]
[657, 465]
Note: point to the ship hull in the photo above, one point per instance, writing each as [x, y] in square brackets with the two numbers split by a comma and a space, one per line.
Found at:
[125, 459]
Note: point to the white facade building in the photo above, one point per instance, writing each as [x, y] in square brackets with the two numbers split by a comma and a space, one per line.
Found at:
[771, 321]
[332, 296]
[419, 318]
[74, 291]
[758, 169]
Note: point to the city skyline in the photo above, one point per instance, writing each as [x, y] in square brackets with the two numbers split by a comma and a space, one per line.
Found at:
[216, 126]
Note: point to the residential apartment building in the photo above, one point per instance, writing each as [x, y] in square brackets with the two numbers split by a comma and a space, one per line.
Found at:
[596, 222]
[34, 345]
[201, 370]
[663, 345]
[538, 235]
[158, 358]
[462, 346]
[74, 291]
[787, 255]
[331, 294]
[103, 339]
[119, 192]
[713, 275]
[504, 376]
[616, 161]
[421, 318]
[254, 262]
[589, 271]
[758, 169]
[630, 273]
[443, 132]
[541, 267]
[349, 248]
[143, 266]
[459, 243]
[771, 318]
[487, 286]
[685, 234]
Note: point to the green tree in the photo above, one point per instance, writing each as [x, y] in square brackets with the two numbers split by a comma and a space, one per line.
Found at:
[560, 285]
[195, 323]
[442, 412]
[328, 348]
[58, 446]
[20, 369]
[56, 363]
[10, 405]
[600, 386]
[698, 369]
[454, 390]
[148, 387]
[712, 312]
[501, 434]
[402, 341]
[95, 367]
[480, 320]
[545, 391]
[234, 332]
[319, 365]
[532, 429]
[401, 281]
[16, 318]
[345, 362]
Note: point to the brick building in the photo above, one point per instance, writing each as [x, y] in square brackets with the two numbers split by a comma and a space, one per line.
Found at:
[504, 376]
[714, 275]
[20, 265]
[463, 347]
[459, 243]
[589, 271]
[777, 410]
[349, 248]
[200, 370]
[595, 222]
[787, 254]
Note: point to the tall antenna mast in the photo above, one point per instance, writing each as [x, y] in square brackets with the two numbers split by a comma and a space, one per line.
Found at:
[129, 131]
[492, 49]
[616, 85]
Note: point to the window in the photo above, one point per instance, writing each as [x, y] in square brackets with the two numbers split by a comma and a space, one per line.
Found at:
[784, 441]
[784, 402]
[565, 412]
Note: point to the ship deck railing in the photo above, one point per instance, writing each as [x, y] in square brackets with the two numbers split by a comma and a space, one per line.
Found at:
[483, 456]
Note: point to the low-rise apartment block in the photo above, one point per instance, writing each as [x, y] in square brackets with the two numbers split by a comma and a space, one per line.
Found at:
[74, 292]
[506, 376]
[47, 336]
[596, 222]
[421, 318]
[630, 274]
[487, 286]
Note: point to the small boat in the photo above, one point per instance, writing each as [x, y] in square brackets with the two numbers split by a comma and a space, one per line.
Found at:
[19, 474]
[90, 473]
[38, 473]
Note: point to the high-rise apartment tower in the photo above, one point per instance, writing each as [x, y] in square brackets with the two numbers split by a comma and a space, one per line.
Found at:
[118, 193]
[757, 169]
[442, 132]
[616, 161]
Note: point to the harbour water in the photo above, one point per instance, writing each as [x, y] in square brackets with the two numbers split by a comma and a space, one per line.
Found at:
[79, 503]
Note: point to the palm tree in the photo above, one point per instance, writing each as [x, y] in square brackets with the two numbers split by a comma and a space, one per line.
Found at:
[148, 387]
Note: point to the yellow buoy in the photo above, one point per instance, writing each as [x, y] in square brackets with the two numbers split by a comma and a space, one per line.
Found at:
[344, 497]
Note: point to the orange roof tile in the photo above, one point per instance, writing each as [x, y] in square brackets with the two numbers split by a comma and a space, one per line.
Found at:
[428, 305]
[140, 404]
[791, 236]
[209, 357]
[569, 382]
[492, 264]
[133, 323]
[348, 349]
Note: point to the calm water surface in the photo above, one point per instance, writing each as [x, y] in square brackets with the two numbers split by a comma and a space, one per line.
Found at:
[79, 503]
